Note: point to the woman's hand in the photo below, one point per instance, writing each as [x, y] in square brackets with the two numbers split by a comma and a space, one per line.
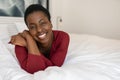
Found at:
[18, 40]
[26, 35]
[31, 43]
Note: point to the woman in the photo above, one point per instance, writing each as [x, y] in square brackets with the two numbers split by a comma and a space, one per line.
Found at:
[40, 46]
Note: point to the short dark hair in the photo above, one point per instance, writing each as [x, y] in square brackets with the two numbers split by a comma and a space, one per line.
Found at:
[36, 7]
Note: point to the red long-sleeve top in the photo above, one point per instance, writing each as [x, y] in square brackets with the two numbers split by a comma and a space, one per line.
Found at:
[32, 63]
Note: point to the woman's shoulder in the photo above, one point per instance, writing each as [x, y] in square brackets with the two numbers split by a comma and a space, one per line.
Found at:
[60, 35]
[59, 32]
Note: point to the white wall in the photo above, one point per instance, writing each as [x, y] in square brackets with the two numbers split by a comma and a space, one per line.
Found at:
[56, 7]
[101, 17]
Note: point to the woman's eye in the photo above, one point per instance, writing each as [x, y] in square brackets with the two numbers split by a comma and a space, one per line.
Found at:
[32, 27]
[43, 23]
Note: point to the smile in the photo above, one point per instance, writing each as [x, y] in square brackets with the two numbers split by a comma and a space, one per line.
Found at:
[42, 36]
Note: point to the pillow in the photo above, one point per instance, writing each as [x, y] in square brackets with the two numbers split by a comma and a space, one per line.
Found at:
[9, 29]
[6, 31]
[3, 32]
[21, 26]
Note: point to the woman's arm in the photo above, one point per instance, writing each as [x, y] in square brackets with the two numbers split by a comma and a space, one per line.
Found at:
[59, 54]
[31, 44]
[18, 40]
[30, 57]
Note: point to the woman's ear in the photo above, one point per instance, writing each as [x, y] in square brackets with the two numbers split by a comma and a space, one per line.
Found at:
[51, 25]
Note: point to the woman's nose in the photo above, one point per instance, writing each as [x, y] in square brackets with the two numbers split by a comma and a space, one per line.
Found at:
[39, 29]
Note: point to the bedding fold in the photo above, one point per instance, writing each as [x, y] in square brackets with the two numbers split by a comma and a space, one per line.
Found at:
[89, 58]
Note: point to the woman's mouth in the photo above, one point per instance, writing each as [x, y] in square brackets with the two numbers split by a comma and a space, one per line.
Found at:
[42, 36]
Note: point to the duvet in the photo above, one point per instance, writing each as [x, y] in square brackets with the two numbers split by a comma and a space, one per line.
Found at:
[89, 57]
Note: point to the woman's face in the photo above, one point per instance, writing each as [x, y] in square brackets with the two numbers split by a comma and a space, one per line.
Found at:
[39, 27]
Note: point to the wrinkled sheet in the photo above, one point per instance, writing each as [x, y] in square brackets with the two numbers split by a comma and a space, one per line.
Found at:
[89, 57]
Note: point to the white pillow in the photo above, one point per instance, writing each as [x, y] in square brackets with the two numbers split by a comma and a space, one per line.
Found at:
[9, 29]
[3, 31]
[6, 31]
[21, 26]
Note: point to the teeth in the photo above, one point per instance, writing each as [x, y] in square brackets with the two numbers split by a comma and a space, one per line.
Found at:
[42, 36]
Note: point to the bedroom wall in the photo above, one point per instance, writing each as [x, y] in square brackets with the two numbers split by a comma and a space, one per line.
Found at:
[100, 17]
[56, 10]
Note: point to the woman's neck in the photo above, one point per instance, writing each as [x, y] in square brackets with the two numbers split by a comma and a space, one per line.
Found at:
[44, 48]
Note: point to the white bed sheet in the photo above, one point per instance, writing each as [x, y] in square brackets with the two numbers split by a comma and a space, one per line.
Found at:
[89, 58]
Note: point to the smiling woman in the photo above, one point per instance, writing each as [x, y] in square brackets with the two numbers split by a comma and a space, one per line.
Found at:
[16, 8]
[40, 47]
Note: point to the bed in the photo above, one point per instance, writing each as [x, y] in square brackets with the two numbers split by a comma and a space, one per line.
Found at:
[89, 57]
